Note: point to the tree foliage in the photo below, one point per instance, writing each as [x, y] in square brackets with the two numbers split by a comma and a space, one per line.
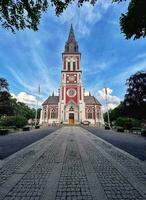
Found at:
[133, 23]
[5, 103]
[135, 98]
[115, 113]
[9, 106]
[127, 123]
[3, 85]
[15, 121]
[134, 104]
[5, 97]
[22, 109]
[21, 14]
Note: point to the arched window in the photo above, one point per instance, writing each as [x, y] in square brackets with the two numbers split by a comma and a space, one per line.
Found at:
[68, 66]
[67, 48]
[74, 66]
[53, 113]
[45, 114]
[90, 113]
[98, 115]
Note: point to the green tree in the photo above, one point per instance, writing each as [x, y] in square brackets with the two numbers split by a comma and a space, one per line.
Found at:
[133, 22]
[115, 113]
[9, 106]
[127, 123]
[135, 98]
[4, 86]
[5, 98]
[17, 121]
[23, 110]
[21, 14]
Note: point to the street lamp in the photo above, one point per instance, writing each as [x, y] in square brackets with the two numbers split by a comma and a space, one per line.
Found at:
[106, 100]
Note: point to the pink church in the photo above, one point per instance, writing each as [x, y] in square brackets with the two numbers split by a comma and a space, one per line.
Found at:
[71, 106]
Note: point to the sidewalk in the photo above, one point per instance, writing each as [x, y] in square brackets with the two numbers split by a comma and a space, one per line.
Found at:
[72, 163]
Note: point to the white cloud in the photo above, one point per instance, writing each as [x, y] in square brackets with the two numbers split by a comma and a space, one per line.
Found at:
[86, 16]
[28, 99]
[39, 73]
[86, 93]
[141, 56]
[112, 101]
[20, 77]
[97, 67]
[120, 78]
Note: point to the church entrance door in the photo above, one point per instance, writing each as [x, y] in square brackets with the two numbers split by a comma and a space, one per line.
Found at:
[71, 118]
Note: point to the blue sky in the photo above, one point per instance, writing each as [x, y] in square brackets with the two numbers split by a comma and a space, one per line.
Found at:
[29, 58]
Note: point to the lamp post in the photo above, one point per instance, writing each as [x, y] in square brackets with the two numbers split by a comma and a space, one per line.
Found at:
[36, 113]
[108, 117]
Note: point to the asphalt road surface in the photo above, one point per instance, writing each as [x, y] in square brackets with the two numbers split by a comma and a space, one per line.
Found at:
[12, 143]
[133, 144]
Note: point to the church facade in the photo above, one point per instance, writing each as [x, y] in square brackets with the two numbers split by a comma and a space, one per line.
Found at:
[71, 106]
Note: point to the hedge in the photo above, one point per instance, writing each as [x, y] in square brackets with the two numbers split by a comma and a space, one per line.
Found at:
[10, 121]
[127, 123]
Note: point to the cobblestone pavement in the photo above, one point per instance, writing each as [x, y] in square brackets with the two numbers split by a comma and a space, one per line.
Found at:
[133, 144]
[73, 183]
[11, 143]
[72, 164]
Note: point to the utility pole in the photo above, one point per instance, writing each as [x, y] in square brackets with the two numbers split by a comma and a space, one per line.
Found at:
[36, 113]
[108, 117]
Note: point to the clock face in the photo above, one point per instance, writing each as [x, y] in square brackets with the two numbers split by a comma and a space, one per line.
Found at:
[71, 78]
[71, 92]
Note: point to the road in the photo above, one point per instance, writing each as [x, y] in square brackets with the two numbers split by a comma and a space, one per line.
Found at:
[70, 164]
[135, 145]
[12, 143]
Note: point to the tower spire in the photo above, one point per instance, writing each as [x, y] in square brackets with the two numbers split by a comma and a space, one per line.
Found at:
[71, 45]
[71, 37]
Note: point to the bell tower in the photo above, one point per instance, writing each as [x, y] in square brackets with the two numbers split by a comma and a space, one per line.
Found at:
[71, 90]
[71, 106]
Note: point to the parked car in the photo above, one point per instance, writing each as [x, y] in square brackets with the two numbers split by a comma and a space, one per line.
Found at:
[86, 123]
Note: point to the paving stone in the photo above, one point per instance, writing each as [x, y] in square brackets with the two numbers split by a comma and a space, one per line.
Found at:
[73, 182]
[34, 181]
[110, 178]
[14, 164]
[74, 172]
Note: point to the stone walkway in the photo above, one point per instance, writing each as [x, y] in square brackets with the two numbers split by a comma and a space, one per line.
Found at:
[72, 164]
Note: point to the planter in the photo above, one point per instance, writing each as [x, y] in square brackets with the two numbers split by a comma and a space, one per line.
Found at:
[107, 127]
[37, 127]
[135, 130]
[4, 131]
[120, 129]
[143, 132]
[26, 128]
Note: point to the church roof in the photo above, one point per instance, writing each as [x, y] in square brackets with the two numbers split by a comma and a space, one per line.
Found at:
[91, 100]
[51, 100]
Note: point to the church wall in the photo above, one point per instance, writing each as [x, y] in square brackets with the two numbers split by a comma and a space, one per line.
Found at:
[96, 114]
[68, 98]
[71, 79]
